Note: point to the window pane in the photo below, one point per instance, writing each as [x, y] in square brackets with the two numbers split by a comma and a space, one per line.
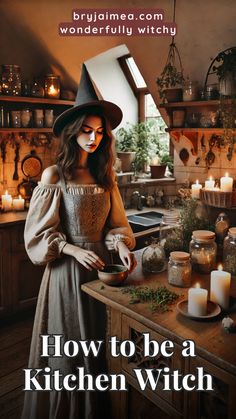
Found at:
[137, 76]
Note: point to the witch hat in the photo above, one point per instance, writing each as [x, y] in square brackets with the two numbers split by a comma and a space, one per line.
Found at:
[86, 101]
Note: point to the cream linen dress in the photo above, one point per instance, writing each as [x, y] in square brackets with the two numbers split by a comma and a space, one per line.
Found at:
[92, 218]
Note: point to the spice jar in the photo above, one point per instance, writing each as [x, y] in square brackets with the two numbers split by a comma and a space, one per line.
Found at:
[229, 251]
[171, 234]
[190, 91]
[179, 269]
[11, 80]
[203, 250]
[153, 258]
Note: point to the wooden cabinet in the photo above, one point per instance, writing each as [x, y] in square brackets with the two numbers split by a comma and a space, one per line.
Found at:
[19, 278]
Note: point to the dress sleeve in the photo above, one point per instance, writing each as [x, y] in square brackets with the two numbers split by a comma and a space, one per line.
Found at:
[43, 239]
[117, 223]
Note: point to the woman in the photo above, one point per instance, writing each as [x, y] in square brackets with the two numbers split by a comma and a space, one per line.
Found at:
[76, 218]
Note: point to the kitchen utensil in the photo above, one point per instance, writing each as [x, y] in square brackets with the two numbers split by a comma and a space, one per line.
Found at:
[113, 274]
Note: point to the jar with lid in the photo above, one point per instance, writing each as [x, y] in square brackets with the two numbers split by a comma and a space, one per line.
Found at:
[52, 86]
[171, 232]
[11, 80]
[203, 251]
[190, 91]
[179, 269]
[229, 251]
[153, 258]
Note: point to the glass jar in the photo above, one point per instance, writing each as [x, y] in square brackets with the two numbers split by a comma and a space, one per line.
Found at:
[37, 89]
[229, 251]
[153, 258]
[171, 233]
[190, 91]
[52, 86]
[179, 269]
[11, 80]
[203, 249]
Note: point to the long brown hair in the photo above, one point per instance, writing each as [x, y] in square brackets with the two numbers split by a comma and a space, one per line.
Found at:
[100, 162]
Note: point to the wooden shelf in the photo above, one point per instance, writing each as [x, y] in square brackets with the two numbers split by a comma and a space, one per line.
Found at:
[187, 104]
[36, 100]
[38, 130]
[215, 130]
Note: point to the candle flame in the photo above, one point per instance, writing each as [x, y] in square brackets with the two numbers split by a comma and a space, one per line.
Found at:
[197, 285]
[19, 196]
[52, 90]
[210, 178]
[220, 267]
[6, 192]
[226, 174]
[197, 182]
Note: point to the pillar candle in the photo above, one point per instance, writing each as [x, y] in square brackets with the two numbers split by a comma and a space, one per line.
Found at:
[210, 184]
[18, 204]
[220, 288]
[195, 189]
[226, 183]
[6, 202]
[197, 301]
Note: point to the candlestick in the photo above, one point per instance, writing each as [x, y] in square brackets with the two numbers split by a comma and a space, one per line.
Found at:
[226, 183]
[197, 301]
[195, 189]
[209, 184]
[6, 202]
[220, 287]
[18, 204]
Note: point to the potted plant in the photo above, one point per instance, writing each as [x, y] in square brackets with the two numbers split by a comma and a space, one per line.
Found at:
[159, 164]
[126, 147]
[226, 71]
[171, 79]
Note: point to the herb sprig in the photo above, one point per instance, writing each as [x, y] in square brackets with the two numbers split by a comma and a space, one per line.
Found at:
[159, 298]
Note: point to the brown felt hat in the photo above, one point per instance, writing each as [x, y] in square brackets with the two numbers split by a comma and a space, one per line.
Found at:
[86, 101]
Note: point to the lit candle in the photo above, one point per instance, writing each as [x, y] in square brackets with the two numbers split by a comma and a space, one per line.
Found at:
[196, 187]
[18, 204]
[210, 184]
[6, 202]
[220, 287]
[226, 183]
[197, 301]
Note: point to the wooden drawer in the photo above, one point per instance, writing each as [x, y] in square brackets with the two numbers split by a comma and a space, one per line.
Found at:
[133, 330]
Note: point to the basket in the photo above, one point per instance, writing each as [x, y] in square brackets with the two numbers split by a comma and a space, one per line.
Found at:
[217, 199]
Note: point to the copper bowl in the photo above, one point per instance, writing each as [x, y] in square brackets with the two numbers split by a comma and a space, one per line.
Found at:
[113, 274]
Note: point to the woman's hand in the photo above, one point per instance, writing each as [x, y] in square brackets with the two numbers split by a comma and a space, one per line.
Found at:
[126, 256]
[87, 258]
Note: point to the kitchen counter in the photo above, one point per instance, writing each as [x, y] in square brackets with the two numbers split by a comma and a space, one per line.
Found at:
[215, 349]
[11, 217]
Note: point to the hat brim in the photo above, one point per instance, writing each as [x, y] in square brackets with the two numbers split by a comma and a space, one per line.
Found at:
[111, 111]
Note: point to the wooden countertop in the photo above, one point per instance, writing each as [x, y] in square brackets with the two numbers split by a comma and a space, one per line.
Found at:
[212, 342]
[11, 217]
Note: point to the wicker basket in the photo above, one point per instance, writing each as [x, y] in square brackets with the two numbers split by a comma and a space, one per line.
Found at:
[217, 198]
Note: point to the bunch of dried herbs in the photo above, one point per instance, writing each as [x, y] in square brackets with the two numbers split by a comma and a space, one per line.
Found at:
[159, 298]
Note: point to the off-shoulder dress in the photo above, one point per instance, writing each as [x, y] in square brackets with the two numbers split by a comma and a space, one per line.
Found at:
[92, 218]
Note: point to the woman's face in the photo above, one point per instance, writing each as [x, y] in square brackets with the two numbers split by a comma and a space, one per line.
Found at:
[90, 134]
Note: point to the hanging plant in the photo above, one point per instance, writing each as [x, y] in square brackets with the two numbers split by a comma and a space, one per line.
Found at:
[172, 74]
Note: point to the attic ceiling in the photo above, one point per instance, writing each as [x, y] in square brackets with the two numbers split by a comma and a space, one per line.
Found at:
[29, 37]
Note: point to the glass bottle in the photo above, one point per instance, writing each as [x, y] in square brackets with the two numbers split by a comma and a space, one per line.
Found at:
[11, 80]
[229, 251]
[153, 258]
[179, 269]
[171, 233]
[202, 249]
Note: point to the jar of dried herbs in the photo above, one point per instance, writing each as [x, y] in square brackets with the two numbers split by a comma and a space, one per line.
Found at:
[179, 269]
[171, 233]
[202, 249]
[229, 251]
[153, 258]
